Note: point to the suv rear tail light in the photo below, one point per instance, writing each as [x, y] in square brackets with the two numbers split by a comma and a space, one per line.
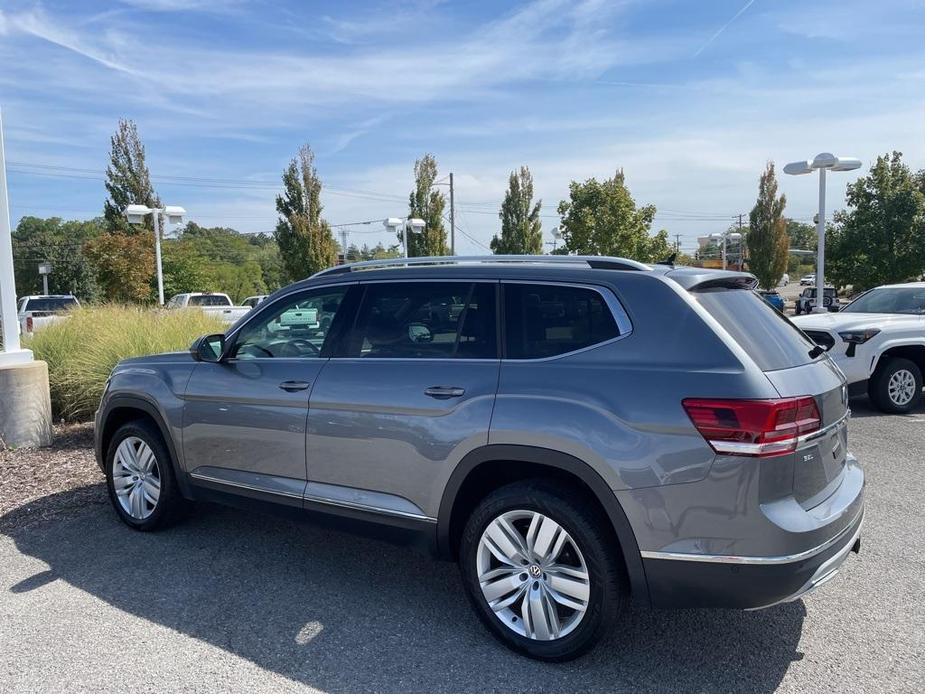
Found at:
[28, 324]
[754, 427]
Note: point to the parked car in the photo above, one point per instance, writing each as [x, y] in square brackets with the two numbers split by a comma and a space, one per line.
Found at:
[587, 431]
[878, 341]
[807, 280]
[807, 300]
[773, 298]
[213, 303]
[252, 301]
[39, 311]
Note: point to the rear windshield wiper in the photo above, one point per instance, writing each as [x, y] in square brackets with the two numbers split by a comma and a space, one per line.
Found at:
[816, 351]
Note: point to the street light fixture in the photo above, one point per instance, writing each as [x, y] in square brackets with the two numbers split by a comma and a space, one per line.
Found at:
[404, 226]
[822, 162]
[136, 215]
[45, 271]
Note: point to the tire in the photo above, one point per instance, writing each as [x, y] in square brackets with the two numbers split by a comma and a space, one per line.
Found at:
[587, 549]
[896, 386]
[798, 310]
[145, 475]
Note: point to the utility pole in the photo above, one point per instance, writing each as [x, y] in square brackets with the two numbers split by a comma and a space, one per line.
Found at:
[452, 218]
[343, 243]
[677, 243]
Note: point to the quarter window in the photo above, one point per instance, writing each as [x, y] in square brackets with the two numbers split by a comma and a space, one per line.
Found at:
[295, 327]
[543, 320]
[426, 320]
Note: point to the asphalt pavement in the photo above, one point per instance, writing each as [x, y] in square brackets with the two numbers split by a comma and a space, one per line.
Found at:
[231, 601]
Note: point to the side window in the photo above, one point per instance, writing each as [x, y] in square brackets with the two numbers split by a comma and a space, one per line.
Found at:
[295, 327]
[545, 320]
[426, 320]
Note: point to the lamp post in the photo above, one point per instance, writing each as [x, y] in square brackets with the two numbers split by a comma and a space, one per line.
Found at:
[136, 215]
[45, 271]
[405, 226]
[822, 162]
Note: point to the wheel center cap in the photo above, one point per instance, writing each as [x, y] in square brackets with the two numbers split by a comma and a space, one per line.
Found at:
[535, 571]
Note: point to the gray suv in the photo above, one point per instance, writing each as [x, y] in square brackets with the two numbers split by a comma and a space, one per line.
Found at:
[575, 432]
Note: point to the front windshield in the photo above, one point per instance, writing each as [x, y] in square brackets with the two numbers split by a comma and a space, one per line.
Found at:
[906, 300]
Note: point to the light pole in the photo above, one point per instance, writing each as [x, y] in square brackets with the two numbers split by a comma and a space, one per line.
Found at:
[45, 271]
[136, 215]
[405, 226]
[822, 162]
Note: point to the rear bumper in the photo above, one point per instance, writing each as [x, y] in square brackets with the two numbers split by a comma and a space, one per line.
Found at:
[750, 583]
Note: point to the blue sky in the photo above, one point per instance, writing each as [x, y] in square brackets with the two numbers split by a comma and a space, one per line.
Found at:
[689, 98]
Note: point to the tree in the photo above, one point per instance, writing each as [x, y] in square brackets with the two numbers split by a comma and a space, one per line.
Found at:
[802, 236]
[125, 265]
[304, 238]
[62, 244]
[521, 232]
[427, 204]
[767, 240]
[881, 238]
[601, 218]
[127, 180]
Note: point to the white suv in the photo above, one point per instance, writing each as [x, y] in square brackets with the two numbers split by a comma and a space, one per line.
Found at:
[878, 340]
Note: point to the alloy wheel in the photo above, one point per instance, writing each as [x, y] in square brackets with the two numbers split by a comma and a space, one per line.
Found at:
[901, 387]
[136, 478]
[533, 575]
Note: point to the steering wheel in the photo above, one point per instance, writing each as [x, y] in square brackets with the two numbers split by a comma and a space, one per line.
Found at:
[303, 346]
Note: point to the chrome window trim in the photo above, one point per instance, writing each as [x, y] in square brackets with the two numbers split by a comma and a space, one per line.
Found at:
[854, 525]
[620, 316]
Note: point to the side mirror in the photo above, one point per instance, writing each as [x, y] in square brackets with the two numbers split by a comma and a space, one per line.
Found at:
[419, 334]
[208, 348]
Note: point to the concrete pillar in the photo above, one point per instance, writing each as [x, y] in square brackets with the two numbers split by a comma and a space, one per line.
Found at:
[25, 406]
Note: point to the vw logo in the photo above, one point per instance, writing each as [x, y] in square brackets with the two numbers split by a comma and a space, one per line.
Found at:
[535, 571]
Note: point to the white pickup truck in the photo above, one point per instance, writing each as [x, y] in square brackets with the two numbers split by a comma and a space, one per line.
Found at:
[878, 341]
[37, 312]
[212, 303]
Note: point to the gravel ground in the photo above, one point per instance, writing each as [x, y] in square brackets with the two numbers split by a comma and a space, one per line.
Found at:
[230, 601]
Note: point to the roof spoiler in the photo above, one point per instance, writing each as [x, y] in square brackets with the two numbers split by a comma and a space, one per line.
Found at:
[695, 279]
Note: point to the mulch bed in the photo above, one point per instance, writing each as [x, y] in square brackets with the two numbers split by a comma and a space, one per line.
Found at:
[29, 474]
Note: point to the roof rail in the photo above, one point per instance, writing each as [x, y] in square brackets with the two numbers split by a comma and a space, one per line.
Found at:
[594, 261]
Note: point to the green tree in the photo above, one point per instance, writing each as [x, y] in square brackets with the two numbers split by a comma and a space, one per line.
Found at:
[601, 218]
[239, 281]
[767, 240]
[124, 265]
[521, 232]
[127, 180]
[880, 239]
[304, 238]
[61, 243]
[185, 269]
[427, 203]
[802, 235]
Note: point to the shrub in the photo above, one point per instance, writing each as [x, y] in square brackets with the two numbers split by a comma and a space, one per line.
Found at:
[82, 350]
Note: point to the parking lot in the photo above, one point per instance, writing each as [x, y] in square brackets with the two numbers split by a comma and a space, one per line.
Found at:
[231, 601]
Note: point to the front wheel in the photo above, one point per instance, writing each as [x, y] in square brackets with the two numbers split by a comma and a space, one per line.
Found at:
[896, 386]
[541, 570]
[140, 479]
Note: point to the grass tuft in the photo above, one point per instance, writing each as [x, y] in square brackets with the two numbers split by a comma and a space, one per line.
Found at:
[82, 350]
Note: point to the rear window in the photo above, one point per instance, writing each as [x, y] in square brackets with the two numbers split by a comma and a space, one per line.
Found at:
[763, 332]
[209, 300]
[52, 304]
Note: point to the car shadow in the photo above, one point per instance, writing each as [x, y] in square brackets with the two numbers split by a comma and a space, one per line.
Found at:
[344, 613]
[862, 407]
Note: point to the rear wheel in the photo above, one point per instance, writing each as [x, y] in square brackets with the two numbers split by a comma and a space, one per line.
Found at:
[541, 570]
[896, 386]
[140, 479]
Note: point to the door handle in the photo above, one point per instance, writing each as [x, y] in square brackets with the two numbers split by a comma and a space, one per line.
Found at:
[294, 386]
[445, 392]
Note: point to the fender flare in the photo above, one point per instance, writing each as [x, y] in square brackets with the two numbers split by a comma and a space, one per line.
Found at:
[561, 461]
[138, 402]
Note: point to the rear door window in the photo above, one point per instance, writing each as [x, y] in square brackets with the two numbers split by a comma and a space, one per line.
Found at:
[765, 334]
[546, 320]
[426, 320]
